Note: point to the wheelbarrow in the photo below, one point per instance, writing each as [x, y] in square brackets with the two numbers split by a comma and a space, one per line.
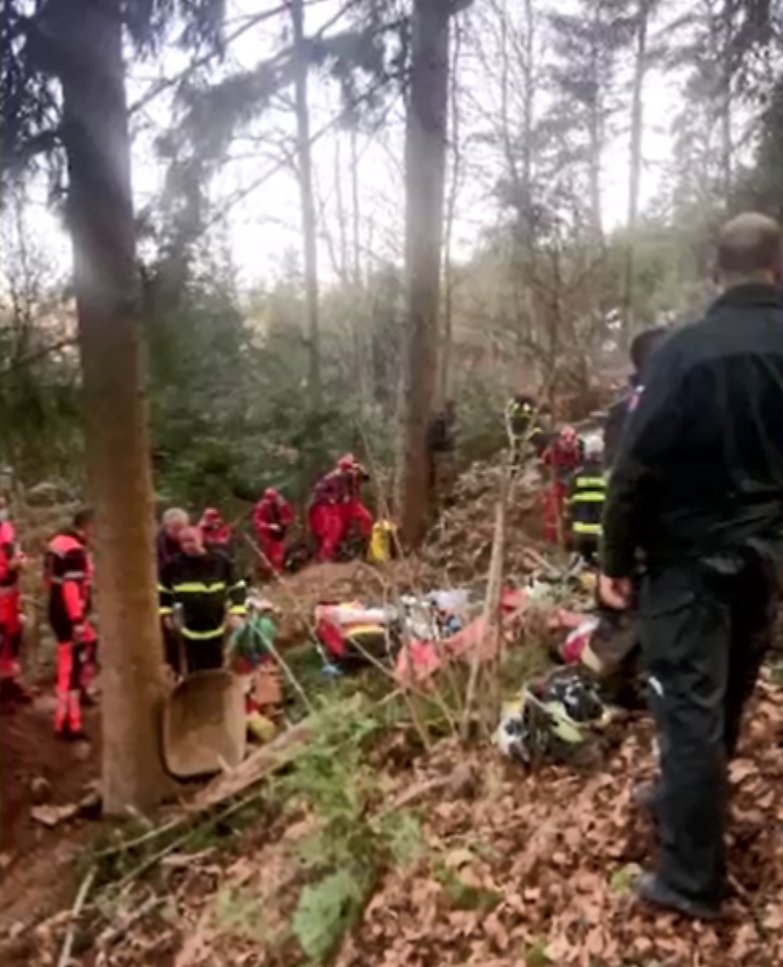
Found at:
[204, 723]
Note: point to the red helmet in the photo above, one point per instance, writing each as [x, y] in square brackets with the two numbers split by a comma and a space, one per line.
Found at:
[347, 462]
[210, 518]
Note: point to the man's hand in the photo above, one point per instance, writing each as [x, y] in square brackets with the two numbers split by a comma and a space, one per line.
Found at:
[615, 592]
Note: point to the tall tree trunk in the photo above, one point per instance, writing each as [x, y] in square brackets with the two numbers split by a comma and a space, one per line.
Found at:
[451, 208]
[726, 107]
[637, 129]
[357, 254]
[305, 172]
[596, 130]
[86, 36]
[425, 166]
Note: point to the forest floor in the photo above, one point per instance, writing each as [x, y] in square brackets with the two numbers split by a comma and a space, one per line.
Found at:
[368, 849]
[470, 861]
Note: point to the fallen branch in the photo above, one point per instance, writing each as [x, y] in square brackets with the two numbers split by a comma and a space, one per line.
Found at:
[115, 932]
[76, 909]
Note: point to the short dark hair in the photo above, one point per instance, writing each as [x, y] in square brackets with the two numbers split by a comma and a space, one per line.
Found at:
[83, 517]
[750, 244]
[644, 345]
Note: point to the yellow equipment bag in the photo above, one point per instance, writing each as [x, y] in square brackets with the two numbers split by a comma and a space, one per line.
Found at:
[381, 542]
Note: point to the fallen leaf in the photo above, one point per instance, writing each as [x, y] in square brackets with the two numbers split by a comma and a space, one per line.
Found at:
[51, 816]
[742, 769]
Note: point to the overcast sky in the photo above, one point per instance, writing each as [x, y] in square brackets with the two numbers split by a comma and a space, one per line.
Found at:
[266, 223]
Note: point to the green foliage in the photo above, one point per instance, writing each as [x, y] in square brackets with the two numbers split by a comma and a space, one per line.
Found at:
[238, 913]
[326, 910]
[350, 848]
[403, 832]
[466, 896]
[535, 955]
[228, 392]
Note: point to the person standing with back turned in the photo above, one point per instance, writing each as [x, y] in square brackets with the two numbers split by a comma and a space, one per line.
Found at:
[698, 485]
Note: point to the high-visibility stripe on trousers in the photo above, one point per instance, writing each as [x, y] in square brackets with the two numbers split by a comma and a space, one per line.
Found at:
[69, 665]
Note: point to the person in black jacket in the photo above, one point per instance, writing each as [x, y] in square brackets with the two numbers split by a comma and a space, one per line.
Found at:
[201, 581]
[441, 447]
[642, 348]
[698, 485]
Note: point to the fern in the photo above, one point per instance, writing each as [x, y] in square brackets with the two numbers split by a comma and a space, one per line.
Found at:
[326, 911]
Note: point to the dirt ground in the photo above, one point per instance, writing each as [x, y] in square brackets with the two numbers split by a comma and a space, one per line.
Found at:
[37, 768]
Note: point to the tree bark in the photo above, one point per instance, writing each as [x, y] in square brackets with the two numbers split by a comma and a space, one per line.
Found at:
[444, 379]
[87, 38]
[425, 166]
[637, 130]
[726, 106]
[357, 254]
[305, 173]
[595, 127]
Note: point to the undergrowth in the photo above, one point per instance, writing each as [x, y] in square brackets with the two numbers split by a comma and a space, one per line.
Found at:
[351, 846]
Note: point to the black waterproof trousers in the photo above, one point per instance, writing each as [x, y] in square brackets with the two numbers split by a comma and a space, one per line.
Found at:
[706, 627]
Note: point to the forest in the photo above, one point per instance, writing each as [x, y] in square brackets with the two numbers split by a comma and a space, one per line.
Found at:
[241, 238]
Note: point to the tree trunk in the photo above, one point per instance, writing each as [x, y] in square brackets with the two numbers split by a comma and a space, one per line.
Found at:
[637, 129]
[357, 255]
[596, 132]
[305, 173]
[444, 379]
[425, 165]
[726, 106]
[87, 38]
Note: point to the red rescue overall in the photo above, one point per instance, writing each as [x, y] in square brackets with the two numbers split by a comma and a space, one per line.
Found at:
[273, 517]
[353, 509]
[10, 602]
[68, 572]
[563, 456]
[325, 514]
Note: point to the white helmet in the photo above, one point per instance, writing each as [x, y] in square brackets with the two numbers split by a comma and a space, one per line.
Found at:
[594, 446]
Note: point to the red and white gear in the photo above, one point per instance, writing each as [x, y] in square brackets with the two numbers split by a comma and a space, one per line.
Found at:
[325, 515]
[214, 529]
[353, 509]
[273, 516]
[563, 456]
[10, 601]
[68, 576]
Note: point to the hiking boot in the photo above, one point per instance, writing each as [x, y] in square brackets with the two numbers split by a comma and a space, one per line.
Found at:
[653, 890]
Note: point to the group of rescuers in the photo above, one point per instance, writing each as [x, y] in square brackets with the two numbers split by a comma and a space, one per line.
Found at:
[685, 516]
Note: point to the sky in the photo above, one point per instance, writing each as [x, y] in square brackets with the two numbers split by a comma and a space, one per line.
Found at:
[265, 225]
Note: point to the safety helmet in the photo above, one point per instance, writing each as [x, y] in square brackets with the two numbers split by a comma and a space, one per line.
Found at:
[594, 446]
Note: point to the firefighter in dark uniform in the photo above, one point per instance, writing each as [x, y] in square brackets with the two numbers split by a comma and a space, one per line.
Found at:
[698, 485]
[586, 498]
[201, 581]
[521, 427]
